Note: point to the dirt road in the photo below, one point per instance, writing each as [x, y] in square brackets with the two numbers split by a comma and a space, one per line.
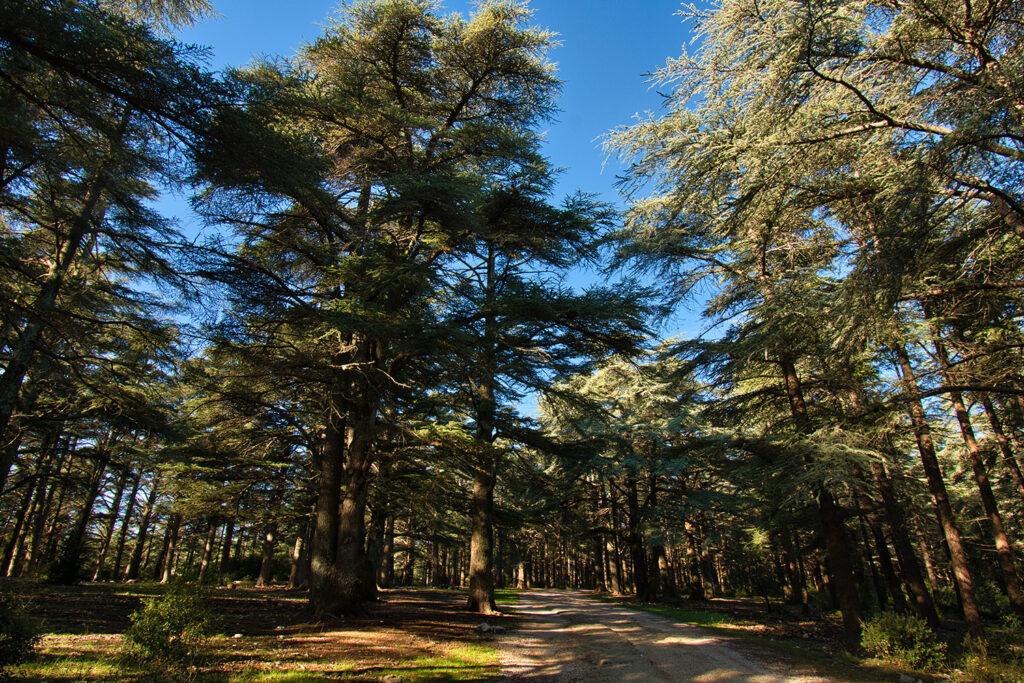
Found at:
[567, 636]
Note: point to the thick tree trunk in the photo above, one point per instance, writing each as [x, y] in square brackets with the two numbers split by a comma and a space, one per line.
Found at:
[386, 578]
[988, 500]
[611, 548]
[665, 585]
[324, 552]
[893, 586]
[481, 581]
[937, 486]
[266, 564]
[298, 576]
[637, 554]
[225, 548]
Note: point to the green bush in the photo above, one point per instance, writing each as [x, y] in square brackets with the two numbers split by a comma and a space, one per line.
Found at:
[19, 633]
[903, 639]
[169, 632]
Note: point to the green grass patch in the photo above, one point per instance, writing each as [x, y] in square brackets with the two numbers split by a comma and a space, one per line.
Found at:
[459, 662]
[506, 596]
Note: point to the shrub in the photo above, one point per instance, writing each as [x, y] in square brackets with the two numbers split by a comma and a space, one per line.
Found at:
[903, 639]
[19, 633]
[169, 632]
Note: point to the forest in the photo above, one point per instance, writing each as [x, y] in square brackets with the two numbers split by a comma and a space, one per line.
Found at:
[332, 387]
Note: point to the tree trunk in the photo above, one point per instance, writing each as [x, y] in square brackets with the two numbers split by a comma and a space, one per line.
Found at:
[926, 449]
[266, 564]
[69, 565]
[904, 550]
[831, 522]
[386, 578]
[122, 535]
[988, 500]
[165, 563]
[636, 540]
[1009, 459]
[108, 532]
[135, 563]
[324, 552]
[208, 545]
[225, 549]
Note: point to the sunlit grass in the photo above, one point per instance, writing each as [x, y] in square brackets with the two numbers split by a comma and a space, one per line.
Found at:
[506, 596]
[458, 662]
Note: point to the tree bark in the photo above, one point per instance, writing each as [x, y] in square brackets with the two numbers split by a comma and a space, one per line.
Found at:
[108, 532]
[135, 562]
[937, 486]
[641, 580]
[69, 565]
[831, 522]
[904, 550]
[1004, 551]
[122, 535]
[209, 542]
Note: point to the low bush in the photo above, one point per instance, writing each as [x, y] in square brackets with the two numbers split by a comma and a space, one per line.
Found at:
[169, 632]
[903, 639]
[19, 633]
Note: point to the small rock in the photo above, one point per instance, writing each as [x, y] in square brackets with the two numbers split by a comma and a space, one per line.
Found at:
[904, 678]
[393, 678]
[279, 628]
[497, 629]
[484, 627]
[237, 635]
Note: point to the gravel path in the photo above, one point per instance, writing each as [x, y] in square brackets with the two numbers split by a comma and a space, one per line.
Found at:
[568, 636]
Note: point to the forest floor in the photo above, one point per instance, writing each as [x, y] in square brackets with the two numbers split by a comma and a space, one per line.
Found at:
[423, 634]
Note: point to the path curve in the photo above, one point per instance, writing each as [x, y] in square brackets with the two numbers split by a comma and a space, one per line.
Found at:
[569, 636]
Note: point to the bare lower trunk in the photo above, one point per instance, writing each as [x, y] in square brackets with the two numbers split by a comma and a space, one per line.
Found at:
[108, 532]
[135, 563]
[904, 550]
[69, 565]
[266, 564]
[937, 486]
[481, 580]
[122, 535]
[1004, 551]
[208, 544]
[831, 522]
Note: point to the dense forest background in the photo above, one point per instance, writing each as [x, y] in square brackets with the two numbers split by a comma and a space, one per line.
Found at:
[325, 392]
